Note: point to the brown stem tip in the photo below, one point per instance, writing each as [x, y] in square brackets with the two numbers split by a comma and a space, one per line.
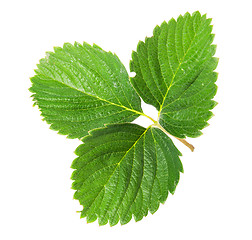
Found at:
[190, 146]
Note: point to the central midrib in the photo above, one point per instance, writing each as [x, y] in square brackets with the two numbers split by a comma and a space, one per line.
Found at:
[118, 164]
[101, 99]
[176, 73]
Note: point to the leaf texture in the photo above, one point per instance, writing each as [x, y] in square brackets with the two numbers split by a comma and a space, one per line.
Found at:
[175, 73]
[80, 87]
[124, 170]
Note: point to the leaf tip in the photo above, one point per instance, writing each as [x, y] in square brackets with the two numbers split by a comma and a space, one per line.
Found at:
[187, 14]
[56, 50]
[196, 14]
[67, 45]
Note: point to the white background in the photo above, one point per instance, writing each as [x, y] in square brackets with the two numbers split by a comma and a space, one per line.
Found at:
[213, 198]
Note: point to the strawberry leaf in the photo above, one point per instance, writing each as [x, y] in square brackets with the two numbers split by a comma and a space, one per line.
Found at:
[175, 73]
[124, 170]
[79, 88]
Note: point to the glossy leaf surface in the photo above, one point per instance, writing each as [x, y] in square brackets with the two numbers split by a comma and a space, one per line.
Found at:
[124, 170]
[80, 87]
[175, 73]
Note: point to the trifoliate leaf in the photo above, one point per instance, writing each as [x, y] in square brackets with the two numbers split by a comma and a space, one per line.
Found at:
[80, 87]
[175, 73]
[124, 170]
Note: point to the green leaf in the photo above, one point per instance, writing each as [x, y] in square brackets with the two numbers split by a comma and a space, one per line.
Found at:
[124, 170]
[80, 87]
[175, 73]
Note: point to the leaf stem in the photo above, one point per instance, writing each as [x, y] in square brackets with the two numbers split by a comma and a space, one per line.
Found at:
[156, 124]
[190, 146]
